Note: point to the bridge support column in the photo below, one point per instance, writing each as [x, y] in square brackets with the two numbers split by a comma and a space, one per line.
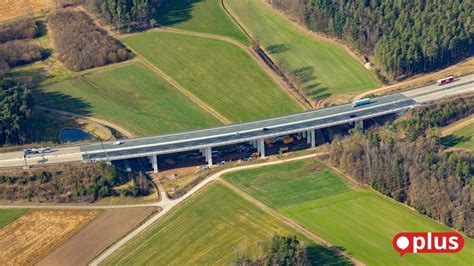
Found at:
[304, 133]
[261, 148]
[360, 124]
[308, 137]
[208, 156]
[254, 144]
[313, 138]
[154, 162]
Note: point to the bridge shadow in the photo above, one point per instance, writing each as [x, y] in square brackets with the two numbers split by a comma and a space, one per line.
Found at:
[173, 12]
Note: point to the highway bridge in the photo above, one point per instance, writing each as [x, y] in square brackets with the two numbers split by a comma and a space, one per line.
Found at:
[205, 140]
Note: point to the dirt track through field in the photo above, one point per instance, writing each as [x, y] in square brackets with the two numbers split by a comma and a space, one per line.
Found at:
[120, 129]
[289, 222]
[89, 242]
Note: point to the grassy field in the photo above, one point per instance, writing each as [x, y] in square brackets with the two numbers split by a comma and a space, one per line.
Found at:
[463, 138]
[358, 220]
[208, 229]
[9, 215]
[129, 95]
[201, 16]
[323, 68]
[221, 74]
[288, 184]
[364, 223]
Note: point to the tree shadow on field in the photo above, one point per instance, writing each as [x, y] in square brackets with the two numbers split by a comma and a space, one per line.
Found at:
[320, 255]
[304, 74]
[452, 140]
[277, 48]
[60, 101]
[172, 12]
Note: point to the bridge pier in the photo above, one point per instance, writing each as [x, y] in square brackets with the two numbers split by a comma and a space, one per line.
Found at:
[360, 124]
[154, 162]
[208, 156]
[261, 147]
[313, 138]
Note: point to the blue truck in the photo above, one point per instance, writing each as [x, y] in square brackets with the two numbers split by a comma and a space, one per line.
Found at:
[361, 102]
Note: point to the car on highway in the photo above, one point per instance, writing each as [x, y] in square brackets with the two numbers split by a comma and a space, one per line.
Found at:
[116, 143]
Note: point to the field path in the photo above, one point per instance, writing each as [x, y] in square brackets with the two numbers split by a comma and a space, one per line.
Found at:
[289, 222]
[283, 85]
[183, 90]
[120, 129]
[457, 125]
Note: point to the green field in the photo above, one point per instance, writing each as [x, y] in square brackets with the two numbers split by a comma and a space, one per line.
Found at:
[463, 138]
[201, 16]
[288, 184]
[208, 229]
[323, 68]
[129, 95]
[9, 215]
[360, 221]
[221, 74]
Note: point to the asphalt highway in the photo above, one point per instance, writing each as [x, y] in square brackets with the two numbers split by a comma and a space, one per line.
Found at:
[212, 137]
[335, 118]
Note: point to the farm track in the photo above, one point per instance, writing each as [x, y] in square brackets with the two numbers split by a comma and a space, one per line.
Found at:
[289, 222]
[457, 125]
[283, 85]
[183, 90]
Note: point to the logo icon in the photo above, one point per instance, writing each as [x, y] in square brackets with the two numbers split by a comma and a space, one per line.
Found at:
[428, 242]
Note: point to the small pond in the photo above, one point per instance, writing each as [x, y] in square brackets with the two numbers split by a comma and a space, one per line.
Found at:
[73, 135]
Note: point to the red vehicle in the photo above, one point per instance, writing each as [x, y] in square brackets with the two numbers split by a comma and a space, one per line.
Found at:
[445, 80]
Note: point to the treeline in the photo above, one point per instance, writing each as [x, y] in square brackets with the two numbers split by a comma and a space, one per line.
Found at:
[125, 15]
[283, 250]
[70, 183]
[80, 44]
[22, 28]
[16, 48]
[15, 104]
[413, 167]
[406, 37]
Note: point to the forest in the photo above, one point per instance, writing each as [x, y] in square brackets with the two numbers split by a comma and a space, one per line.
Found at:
[406, 160]
[15, 105]
[125, 15]
[81, 45]
[70, 183]
[22, 28]
[404, 37]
